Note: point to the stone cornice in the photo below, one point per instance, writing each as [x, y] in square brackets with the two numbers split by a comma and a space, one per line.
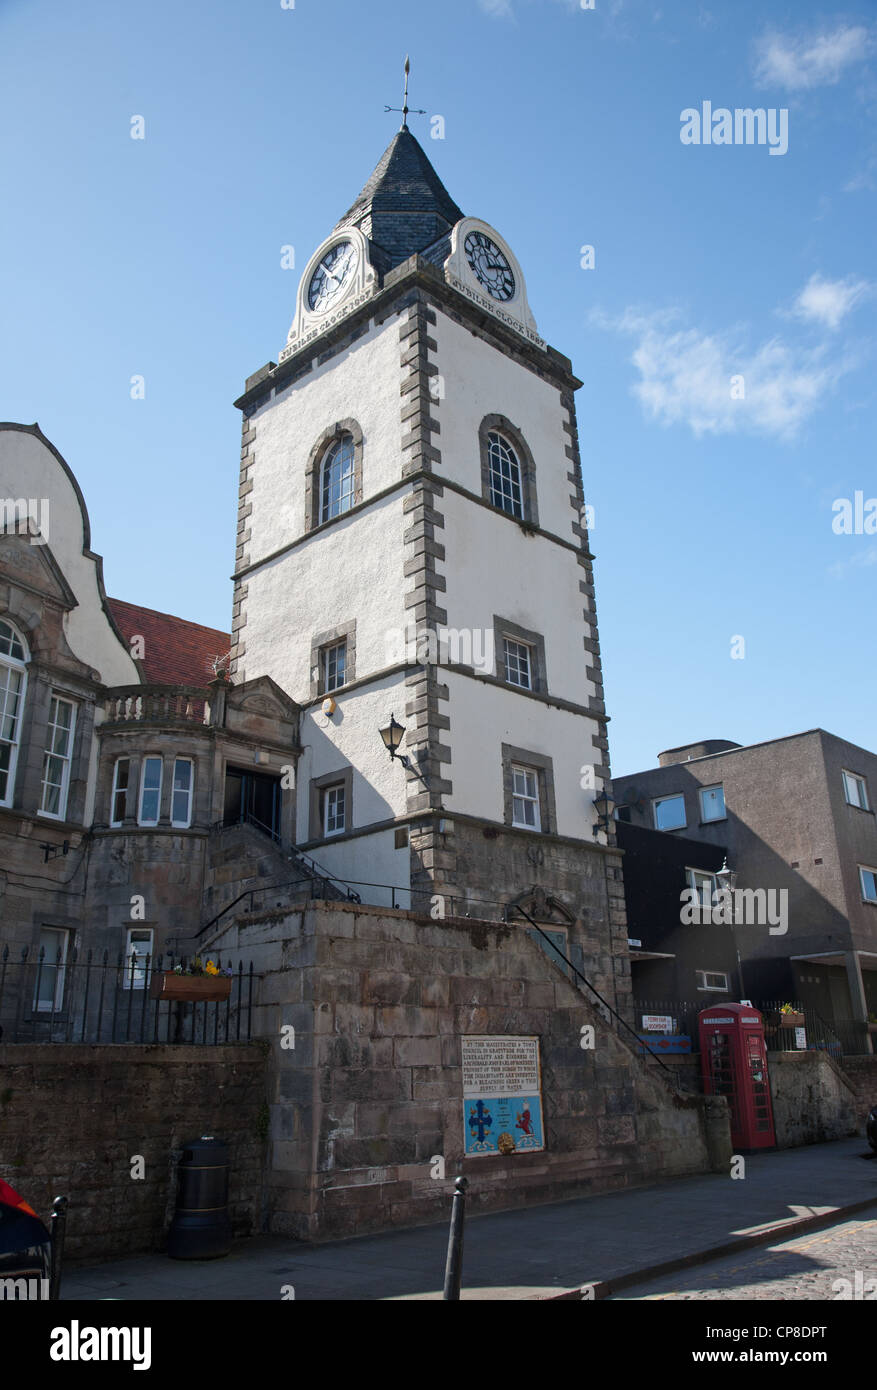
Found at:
[418, 275]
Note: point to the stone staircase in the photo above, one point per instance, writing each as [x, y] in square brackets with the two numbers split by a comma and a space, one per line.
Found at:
[248, 871]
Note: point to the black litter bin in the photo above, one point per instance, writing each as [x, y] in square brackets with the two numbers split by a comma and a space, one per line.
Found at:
[201, 1229]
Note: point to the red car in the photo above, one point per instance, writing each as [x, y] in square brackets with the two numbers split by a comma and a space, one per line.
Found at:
[25, 1249]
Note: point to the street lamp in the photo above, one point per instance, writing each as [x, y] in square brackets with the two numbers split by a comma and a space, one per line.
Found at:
[604, 805]
[392, 736]
[727, 879]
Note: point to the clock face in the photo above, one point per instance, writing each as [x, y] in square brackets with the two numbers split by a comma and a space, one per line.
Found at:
[332, 276]
[490, 265]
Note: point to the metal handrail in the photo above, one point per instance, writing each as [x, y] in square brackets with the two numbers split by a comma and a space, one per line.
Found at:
[515, 907]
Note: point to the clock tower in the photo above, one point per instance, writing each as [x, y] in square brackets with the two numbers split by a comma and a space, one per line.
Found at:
[412, 544]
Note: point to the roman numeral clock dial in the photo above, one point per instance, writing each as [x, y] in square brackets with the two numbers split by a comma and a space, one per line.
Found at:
[490, 266]
[332, 276]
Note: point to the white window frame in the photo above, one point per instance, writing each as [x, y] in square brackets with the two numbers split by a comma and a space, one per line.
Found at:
[341, 452]
[17, 666]
[150, 757]
[502, 489]
[703, 975]
[327, 684]
[528, 798]
[716, 787]
[524, 647]
[190, 793]
[694, 875]
[327, 800]
[116, 789]
[46, 1006]
[656, 802]
[866, 869]
[861, 786]
[138, 978]
[65, 758]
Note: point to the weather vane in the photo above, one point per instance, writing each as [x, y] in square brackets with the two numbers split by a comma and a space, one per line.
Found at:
[404, 108]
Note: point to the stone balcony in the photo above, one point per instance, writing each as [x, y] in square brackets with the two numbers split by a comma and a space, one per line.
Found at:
[166, 705]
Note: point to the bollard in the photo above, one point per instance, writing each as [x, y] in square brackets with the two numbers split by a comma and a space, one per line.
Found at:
[57, 1227]
[454, 1266]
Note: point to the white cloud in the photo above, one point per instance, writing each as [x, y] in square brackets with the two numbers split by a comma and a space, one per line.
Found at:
[863, 558]
[685, 377]
[816, 60]
[501, 9]
[829, 301]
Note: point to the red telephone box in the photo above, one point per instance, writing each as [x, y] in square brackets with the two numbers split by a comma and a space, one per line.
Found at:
[734, 1064]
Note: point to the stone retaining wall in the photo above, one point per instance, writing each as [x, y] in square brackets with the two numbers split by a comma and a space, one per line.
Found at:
[72, 1118]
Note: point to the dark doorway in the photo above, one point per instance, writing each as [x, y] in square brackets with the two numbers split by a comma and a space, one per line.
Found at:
[253, 797]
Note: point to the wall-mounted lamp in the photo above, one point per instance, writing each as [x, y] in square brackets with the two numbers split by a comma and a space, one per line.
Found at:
[392, 736]
[726, 877]
[604, 805]
[52, 851]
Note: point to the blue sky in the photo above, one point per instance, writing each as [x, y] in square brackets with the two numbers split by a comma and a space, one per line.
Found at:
[161, 257]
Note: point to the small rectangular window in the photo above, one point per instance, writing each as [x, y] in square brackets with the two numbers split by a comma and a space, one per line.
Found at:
[525, 798]
[712, 803]
[333, 667]
[712, 980]
[703, 884]
[119, 797]
[868, 880]
[518, 663]
[669, 812]
[150, 791]
[856, 790]
[138, 958]
[181, 803]
[334, 809]
[622, 813]
[57, 758]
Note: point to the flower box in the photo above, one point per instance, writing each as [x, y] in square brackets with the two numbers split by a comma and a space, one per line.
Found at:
[166, 985]
[795, 1020]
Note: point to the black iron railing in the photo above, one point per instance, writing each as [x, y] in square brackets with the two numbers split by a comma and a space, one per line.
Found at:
[94, 998]
[782, 1021]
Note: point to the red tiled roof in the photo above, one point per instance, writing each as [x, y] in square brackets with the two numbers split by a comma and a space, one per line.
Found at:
[175, 651]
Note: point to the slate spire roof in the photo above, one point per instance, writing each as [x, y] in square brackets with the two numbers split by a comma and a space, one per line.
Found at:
[404, 207]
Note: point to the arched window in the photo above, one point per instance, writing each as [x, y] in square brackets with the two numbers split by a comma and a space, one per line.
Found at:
[506, 489]
[14, 657]
[337, 484]
[508, 470]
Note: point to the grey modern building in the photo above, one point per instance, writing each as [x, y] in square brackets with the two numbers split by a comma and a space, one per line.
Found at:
[796, 817]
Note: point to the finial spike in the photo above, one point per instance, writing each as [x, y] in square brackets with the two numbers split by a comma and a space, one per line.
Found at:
[405, 95]
[405, 108]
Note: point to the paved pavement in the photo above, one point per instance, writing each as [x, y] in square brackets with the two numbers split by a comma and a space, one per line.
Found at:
[538, 1252]
[837, 1263]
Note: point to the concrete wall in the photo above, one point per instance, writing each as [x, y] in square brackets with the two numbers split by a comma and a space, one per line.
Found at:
[372, 1090]
[72, 1117]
